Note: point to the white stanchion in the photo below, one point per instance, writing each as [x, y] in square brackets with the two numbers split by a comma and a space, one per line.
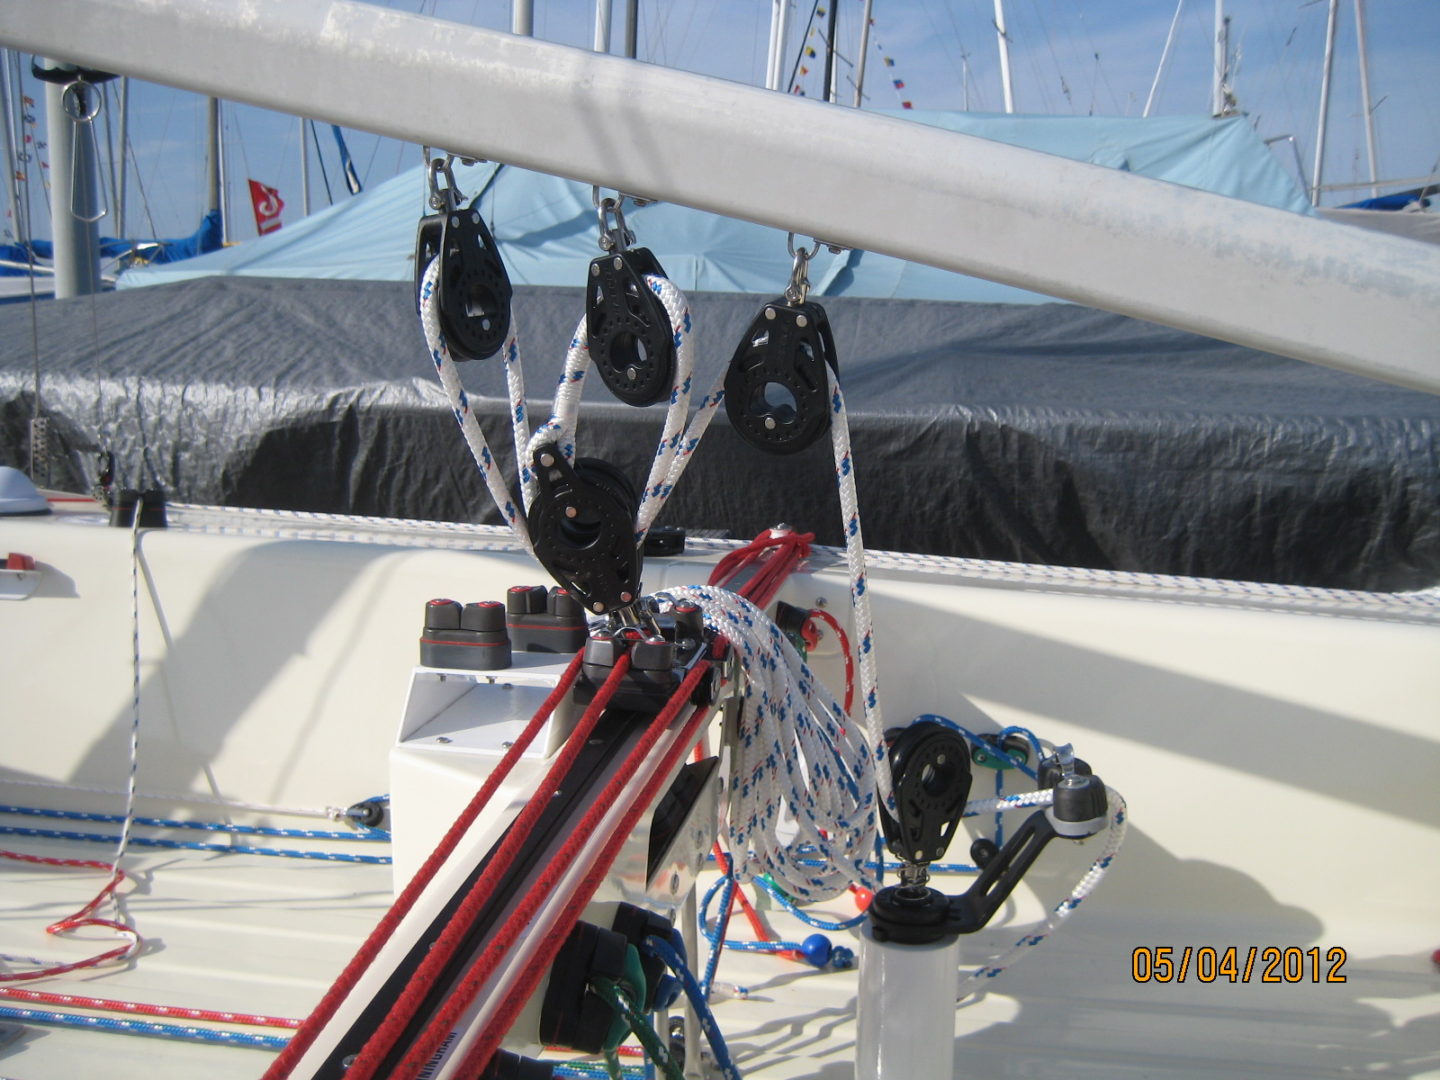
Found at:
[905, 1029]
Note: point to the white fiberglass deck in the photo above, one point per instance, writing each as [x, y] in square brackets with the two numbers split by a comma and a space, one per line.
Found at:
[1277, 749]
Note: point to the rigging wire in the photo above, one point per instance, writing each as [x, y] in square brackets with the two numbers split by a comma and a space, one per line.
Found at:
[324, 172]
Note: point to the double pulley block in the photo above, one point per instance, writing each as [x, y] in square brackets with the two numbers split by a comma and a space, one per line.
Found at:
[930, 766]
[582, 527]
[473, 289]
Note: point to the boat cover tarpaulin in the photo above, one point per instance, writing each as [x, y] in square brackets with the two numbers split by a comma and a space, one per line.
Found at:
[546, 226]
[1049, 434]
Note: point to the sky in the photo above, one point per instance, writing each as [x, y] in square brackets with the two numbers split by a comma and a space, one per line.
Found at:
[1068, 57]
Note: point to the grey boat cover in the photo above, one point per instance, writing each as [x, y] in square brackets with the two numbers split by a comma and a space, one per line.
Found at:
[1043, 434]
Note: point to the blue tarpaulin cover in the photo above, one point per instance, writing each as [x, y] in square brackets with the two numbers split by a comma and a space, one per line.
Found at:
[546, 227]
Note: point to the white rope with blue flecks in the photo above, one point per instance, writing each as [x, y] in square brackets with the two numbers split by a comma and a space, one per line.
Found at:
[460, 402]
[1117, 813]
[800, 769]
[678, 438]
[864, 626]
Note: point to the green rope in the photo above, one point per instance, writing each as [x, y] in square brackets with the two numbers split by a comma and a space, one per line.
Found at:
[639, 1024]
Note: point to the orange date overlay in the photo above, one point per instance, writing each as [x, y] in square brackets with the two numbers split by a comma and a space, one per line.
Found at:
[1237, 964]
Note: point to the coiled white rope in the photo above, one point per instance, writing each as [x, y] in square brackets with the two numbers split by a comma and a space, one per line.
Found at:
[801, 775]
[974, 982]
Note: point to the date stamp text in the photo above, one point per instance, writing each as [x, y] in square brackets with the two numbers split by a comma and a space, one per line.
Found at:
[1237, 964]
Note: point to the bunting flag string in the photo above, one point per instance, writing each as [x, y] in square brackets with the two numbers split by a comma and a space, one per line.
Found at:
[29, 120]
[897, 83]
[811, 51]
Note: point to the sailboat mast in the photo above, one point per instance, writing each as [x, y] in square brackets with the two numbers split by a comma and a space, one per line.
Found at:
[1005, 81]
[632, 29]
[864, 52]
[1324, 120]
[834, 17]
[73, 219]
[779, 24]
[1164, 58]
[304, 169]
[1369, 110]
[12, 179]
[602, 25]
[124, 155]
[212, 161]
[522, 18]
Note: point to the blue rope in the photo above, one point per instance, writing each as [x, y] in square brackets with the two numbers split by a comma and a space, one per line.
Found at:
[206, 826]
[585, 1070]
[889, 864]
[185, 1032]
[805, 917]
[716, 936]
[723, 924]
[227, 849]
[671, 958]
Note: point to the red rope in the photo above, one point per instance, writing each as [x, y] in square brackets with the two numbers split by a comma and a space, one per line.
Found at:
[80, 919]
[484, 1049]
[323, 1012]
[40, 997]
[844, 639]
[785, 551]
[451, 938]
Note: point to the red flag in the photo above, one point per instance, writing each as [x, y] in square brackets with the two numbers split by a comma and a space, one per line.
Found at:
[268, 204]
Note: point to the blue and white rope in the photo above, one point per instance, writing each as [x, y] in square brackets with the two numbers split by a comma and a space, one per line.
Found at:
[678, 438]
[460, 402]
[800, 767]
[184, 1032]
[671, 958]
[779, 896]
[190, 845]
[1114, 838]
[370, 835]
[864, 625]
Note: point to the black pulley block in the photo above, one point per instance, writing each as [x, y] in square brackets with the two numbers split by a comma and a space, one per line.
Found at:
[777, 394]
[582, 526]
[427, 248]
[632, 344]
[930, 768]
[474, 289]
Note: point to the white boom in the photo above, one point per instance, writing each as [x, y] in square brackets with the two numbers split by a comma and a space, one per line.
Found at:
[1277, 281]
